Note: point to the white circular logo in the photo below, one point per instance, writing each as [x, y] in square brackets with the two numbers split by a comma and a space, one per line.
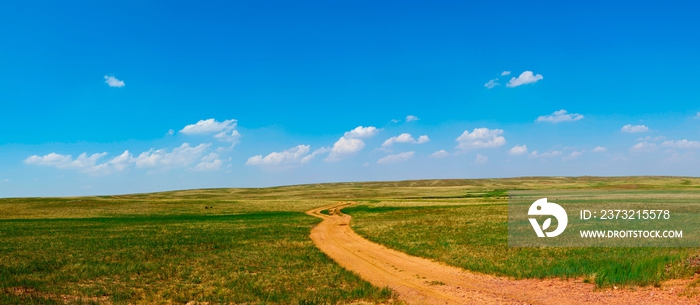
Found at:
[543, 208]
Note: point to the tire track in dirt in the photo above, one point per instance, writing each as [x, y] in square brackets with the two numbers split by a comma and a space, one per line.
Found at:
[422, 281]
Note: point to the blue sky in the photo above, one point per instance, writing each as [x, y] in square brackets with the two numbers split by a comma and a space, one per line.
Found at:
[169, 95]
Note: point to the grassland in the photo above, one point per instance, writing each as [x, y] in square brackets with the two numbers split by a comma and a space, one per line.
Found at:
[110, 251]
[248, 258]
[470, 231]
[252, 246]
[475, 238]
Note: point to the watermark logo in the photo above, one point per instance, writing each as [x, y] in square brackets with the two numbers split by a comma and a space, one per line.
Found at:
[543, 208]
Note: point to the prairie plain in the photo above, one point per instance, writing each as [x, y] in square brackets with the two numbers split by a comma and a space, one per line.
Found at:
[252, 246]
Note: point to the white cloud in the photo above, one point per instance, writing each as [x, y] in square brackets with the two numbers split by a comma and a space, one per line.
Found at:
[210, 157]
[643, 147]
[599, 149]
[504, 73]
[350, 143]
[697, 115]
[405, 138]
[560, 116]
[171, 132]
[550, 154]
[681, 144]
[636, 128]
[83, 163]
[396, 158]
[224, 131]
[361, 132]
[411, 118]
[492, 84]
[122, 161]
[5, 180]
[518, 150]
[481, 159]
[395, 120]
[289, 156]
[402, 138]
[439, 154]
[228, 136]
[573, 155]
[311, 156]
[343, 148]
[209, 126]
[481, 138]
[526, 77]
[150, 158]
[205, 166]
[181, 156]
[52, 159]
[113, 81]
[210, 162]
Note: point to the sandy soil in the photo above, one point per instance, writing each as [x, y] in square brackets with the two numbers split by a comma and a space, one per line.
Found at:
[422, 281]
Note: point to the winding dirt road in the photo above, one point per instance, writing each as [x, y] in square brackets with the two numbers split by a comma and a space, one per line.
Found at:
[422, 281]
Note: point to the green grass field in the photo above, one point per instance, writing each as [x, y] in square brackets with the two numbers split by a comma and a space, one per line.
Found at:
[252, 246]
[218, 245]
[470, 231]
[256, 258]
[475, 238]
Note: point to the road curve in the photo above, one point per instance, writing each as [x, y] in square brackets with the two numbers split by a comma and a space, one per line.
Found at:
[422, 281]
